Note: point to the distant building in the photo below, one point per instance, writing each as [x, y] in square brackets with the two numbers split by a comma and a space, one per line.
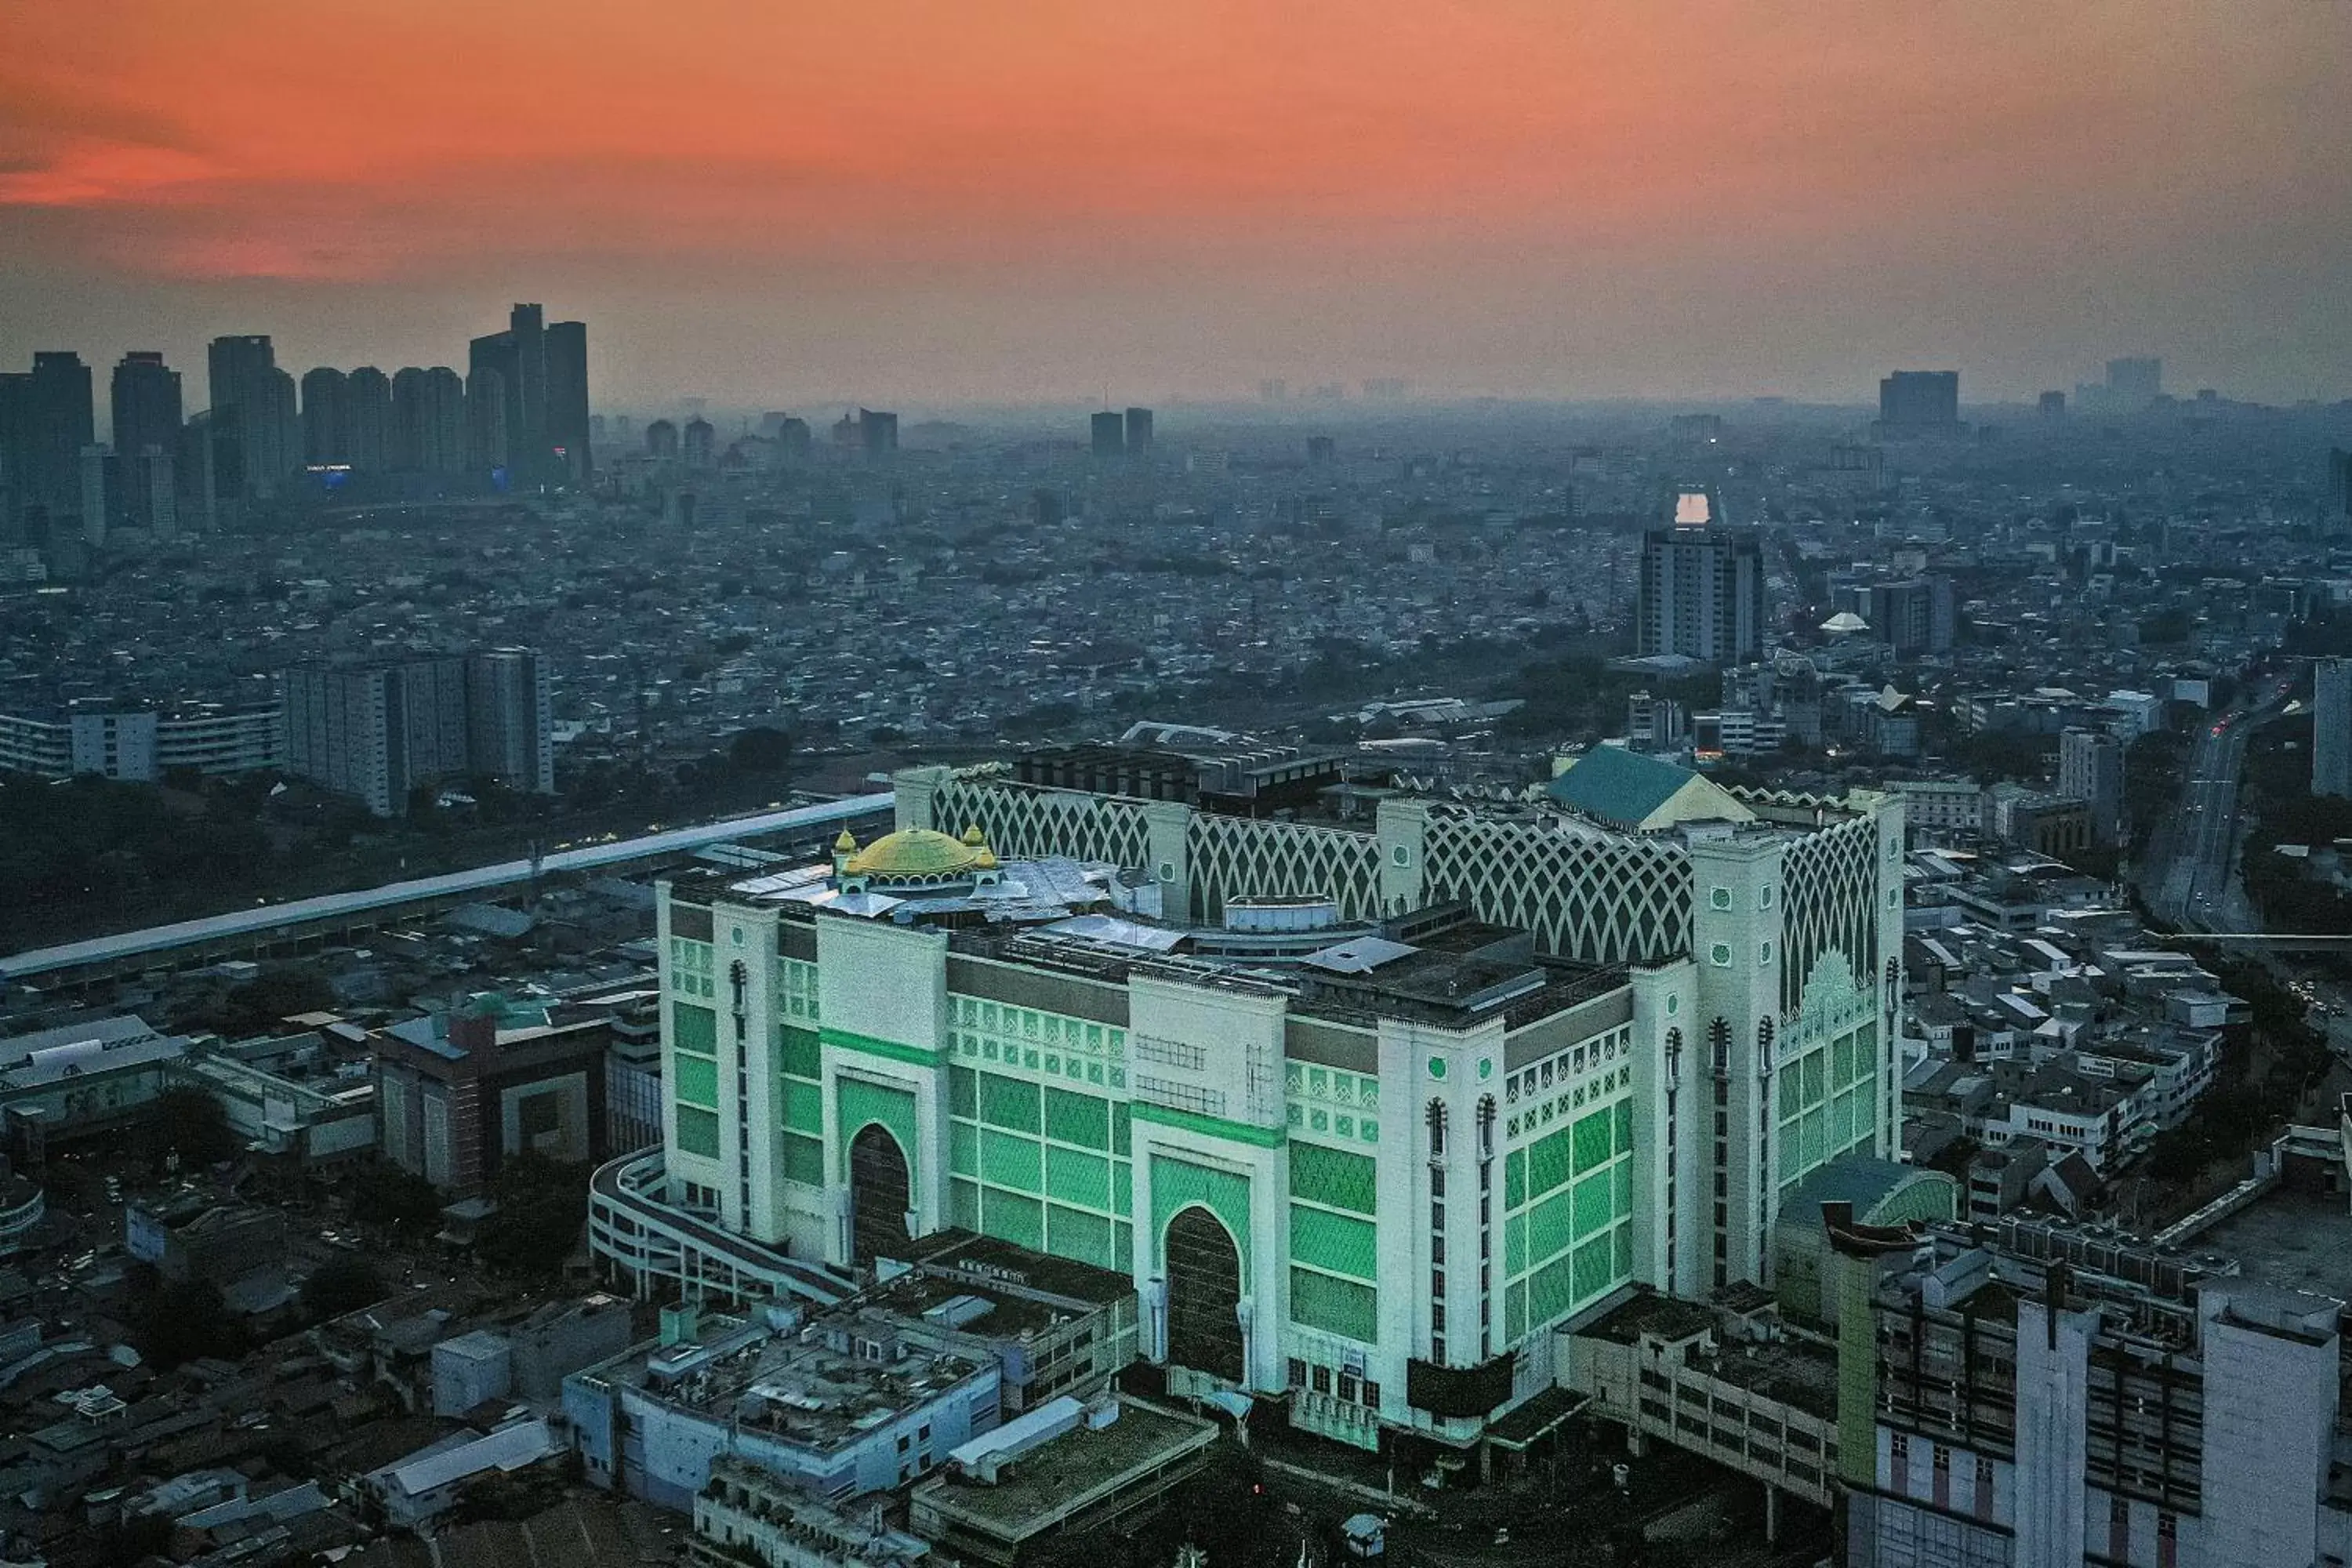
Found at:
[1110, 434]
[1320, 450]
[326, 427]
[428, 432]
[2331, 727]
[2136, 380]
[459, 1094]
[47, 421]
[661, 441]
[378, 731]
[81, 1079]
[141, 746]
[367, 419]
[700, 444]
[146, 437]
[1139, 432]
[2339, 486]
[569, 422]
[2091, 770]
[878, 432]
[1701, 590]
[246, 385]
[1914, 616]
[2051, 406]
[1916, 401]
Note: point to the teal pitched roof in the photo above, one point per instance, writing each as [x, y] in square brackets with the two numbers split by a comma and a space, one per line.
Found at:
[1618, 786]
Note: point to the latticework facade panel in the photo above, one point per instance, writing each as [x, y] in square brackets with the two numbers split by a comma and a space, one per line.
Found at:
[1239, 857]
[1593, 898]
[1022, 820]
[1832, 906]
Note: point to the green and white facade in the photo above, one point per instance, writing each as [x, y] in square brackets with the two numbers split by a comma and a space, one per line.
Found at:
[1384, 1205]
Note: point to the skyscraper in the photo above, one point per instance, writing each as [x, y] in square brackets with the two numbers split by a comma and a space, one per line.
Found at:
[2136, 380]
[326, 423]
[243, 379]
[510, 724]
[1110, 435]
[570, 432]
[46, 420]
[1139, 431]
[701, 444]
[1919, 400]
[2091, 770]
[526, 441]
[367, 419]
[2051, 406]
[427, 433]
[2339, 486]
[2331, 727]
[661, 441]
[878, 432]
[488, 444]
[1701, 585]
[146, 404]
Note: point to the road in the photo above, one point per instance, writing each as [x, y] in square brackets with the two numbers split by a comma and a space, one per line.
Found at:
[2197, 848]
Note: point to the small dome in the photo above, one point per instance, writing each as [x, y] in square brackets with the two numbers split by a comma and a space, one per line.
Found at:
[846, 844]
[973, 836]
[917, 853]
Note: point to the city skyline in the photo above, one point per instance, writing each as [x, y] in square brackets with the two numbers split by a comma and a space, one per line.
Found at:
[1517, 204]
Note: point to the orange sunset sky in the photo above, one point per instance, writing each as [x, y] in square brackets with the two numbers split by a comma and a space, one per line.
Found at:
[930, 203]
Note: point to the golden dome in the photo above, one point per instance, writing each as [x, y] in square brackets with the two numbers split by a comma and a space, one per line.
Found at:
[973, 837]
[919, 853]
[846, 844]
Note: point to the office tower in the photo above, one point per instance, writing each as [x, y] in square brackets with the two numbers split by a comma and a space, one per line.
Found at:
[1379, 1191]
[1702, 586]
[146, 404]
[700, 444]
[527, 406]
[326, 421]
[1919, 400]
[2051, 406]
[1110, 435]
[46, 417]
[367, 419]
[878, 432]
[2136, 382]
[1320, 451]
[570, 425]
[243, 378]
[661, 441]
[153, 476]
[2331, 727]
[2339, 486]
[487, 448]
[1139, 432]
[1914, 616]
[509, 722]
[426, 430]
[208, 471]
[793, 441]
[2091, 770]
[100, 506]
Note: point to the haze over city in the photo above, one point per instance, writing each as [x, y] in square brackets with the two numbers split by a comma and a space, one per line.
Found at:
[943, 204]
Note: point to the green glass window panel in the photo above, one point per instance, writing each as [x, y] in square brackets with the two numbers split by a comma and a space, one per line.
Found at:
[1008, 1102]
[1789, 1160]
[1593, 1263]
[1623, 1113]
[1551, 1228]
[1119, 1128]
[1621, 1189]
[1335, 1178]
[1622, 1241]
[1847, 1051]
[1082, 1119]
[1177, 1184]
[698, 1080]
[1514, 1179]
[1122, 1187]
[1817, 1135]
[1007, 1161]
[964, 1149]
[1592, 1210]
[1593, 1140]
[803, 1055]
[1123, 1237]
[1842, 1118]
[859, 1104]
[1551, 1291]
[1070, 1232]
[1514, 1313]
[1075, 1178]
[963, 1204]
[1515, 1245]
[1016, 1219]
[1813, 1083]
[803, 1159]
[804, 1108]
[963, 1092]
[1549, 1166]
[1334, 1305]
[693, 1028]
[1334, 1243]
[697, 1131]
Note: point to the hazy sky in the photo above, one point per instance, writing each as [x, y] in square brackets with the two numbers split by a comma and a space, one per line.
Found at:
[921, 202]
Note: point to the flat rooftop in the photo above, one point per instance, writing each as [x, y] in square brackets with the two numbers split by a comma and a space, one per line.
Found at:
[2294, 1240]
[1051, 1482]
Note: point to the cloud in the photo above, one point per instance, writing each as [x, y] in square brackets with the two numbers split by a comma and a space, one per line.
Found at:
[104, 173]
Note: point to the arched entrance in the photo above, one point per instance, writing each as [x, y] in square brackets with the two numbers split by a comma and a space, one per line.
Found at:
[881, 1191]
[1205, 1292]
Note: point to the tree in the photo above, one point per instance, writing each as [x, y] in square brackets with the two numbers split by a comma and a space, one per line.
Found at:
[173, 1323]
[400, 1201]
[342, 1284]
[541, 1207]
[761, 749]
[189, 1122]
